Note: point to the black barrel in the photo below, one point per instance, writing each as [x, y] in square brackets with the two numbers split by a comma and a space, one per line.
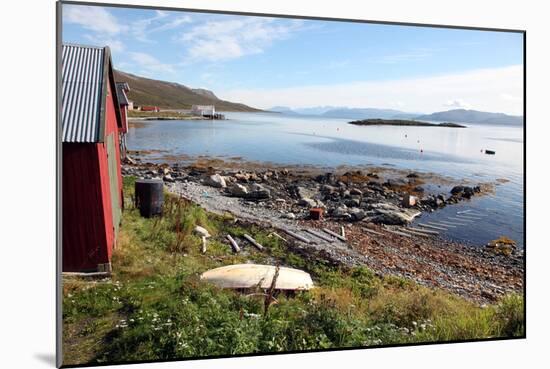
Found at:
[149, 197]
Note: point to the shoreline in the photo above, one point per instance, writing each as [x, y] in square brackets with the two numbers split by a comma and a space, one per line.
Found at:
[280, 198]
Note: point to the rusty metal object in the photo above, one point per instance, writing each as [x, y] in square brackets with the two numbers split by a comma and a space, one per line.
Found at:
[316, 213]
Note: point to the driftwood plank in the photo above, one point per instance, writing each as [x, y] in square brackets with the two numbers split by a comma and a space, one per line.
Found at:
[233, 243]
[398, 233]
[326, 230]
[279, 236]
[296, 235]
[319, 235]
[203, 248]
[253, 242]
[368, 230]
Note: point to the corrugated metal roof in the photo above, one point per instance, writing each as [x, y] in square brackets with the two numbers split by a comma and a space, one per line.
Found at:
[121, 88]
[82, 88]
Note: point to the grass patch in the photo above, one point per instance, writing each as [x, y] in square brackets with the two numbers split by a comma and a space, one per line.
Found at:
[155, 306]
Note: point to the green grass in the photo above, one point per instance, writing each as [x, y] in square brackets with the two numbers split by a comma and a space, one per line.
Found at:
[155, 307]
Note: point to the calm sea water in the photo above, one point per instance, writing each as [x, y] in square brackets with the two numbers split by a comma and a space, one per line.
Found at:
[329, 142]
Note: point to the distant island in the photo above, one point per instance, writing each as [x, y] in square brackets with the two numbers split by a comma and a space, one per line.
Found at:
[473, 116]
[402, 122]
[455, 115]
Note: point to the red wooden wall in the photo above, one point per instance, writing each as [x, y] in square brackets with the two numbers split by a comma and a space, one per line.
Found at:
[88, 230]
[87, 221]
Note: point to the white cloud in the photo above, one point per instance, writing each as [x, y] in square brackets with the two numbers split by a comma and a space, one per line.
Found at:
[411, 56]
[457, 104]
[161, 21]
[93, 18]
[149, 64]
[140, 28]
[114, 44]
[484, 90]
[233, 38]
[509, 97]
[173, 23]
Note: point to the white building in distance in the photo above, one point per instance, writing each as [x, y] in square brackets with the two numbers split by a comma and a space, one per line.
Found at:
[203, 110]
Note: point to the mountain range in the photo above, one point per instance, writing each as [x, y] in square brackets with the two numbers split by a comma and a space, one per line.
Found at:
[473, 116]
[451, 116]
[170, 95]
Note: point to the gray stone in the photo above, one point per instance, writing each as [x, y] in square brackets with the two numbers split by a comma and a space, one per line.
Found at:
[357, 214]
[238, 190]
[168, 178]
[215, 180]
[307, 202]
[356, 192]
[259, 192]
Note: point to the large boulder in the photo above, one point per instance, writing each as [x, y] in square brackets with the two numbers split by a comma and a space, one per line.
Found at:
[238, 190]
[215, 180]
[386, 213]
[299, 192]
[259, 192]
[394, 217]
[357, 214]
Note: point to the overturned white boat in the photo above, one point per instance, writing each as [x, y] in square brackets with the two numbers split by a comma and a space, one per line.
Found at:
[256, 275]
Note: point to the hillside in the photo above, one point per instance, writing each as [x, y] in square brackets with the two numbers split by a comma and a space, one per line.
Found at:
[170, 95]
[473, 116]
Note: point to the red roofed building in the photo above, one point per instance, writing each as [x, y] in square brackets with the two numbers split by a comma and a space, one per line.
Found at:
[92, 125]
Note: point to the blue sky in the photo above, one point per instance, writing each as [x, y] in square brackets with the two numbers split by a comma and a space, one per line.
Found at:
[265, 62]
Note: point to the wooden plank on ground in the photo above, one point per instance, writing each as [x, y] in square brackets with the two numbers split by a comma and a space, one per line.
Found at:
[253, 242]
[279, 236]
[326, 230]
[233, 243]
[319, 235]
[368, 230]
[296, 235]
[403, 234]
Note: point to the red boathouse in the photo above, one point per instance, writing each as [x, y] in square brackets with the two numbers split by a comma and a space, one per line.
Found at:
[91, 178]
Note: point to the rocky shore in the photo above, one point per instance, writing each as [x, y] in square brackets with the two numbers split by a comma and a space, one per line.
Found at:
[373, 210]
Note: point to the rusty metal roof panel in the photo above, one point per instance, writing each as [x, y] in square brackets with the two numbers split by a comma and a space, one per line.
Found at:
[82, 90]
